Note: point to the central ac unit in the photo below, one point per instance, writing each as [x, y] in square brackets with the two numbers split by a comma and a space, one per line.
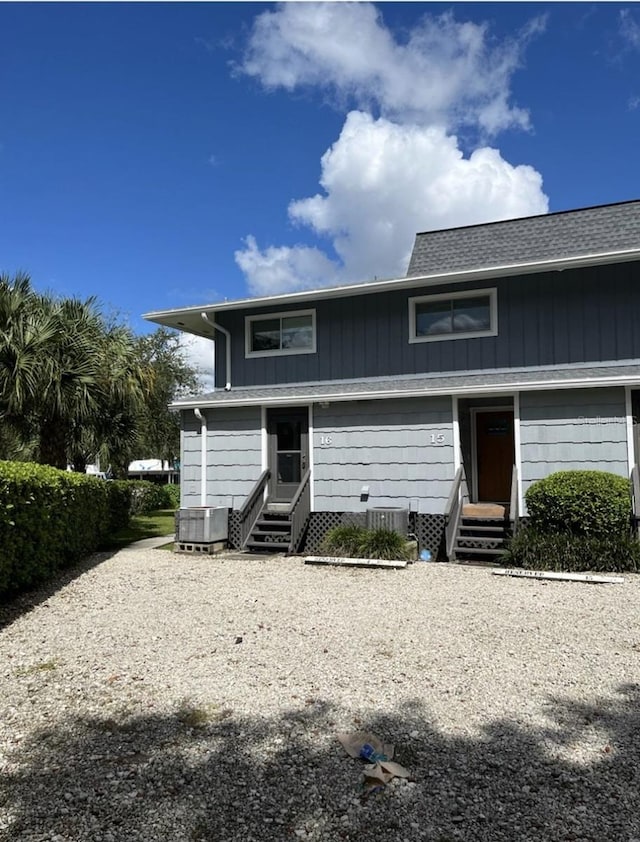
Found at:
[394, 519]
[203, 525]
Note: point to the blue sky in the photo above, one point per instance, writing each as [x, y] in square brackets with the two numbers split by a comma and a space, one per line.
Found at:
[164, 155]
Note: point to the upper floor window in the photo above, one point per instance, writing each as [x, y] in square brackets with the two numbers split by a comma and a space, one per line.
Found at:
[454, 315]
[281, 333]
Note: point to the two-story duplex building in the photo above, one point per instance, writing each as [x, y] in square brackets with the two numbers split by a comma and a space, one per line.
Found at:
[510, 350]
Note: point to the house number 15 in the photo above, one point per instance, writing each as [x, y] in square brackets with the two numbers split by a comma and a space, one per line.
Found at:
[437, 438]
[325, 440]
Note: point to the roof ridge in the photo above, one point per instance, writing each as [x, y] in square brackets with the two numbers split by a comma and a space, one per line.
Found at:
[546, 215]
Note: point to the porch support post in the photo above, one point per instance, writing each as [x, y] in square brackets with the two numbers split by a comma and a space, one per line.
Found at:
[631, 456]
[310, 449]
[517, 447]
[456, 432]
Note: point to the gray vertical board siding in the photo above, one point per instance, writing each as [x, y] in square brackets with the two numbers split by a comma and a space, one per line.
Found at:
[582, 429]
[553, 318]
[386, 445]
[234, 455]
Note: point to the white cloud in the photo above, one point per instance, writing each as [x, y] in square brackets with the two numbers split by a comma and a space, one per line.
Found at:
[630, 28]
[383, 182]
[403, 171]
[284, 268]
[200, 354]
[446, 72]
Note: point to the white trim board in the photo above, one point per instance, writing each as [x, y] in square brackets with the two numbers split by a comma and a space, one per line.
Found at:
[384, 394]
[594, 578]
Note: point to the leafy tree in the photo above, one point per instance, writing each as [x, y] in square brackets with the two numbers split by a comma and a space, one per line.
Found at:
[170, 376]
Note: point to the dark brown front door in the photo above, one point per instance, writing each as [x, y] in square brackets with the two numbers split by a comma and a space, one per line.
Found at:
[495, 454]
[288, 431]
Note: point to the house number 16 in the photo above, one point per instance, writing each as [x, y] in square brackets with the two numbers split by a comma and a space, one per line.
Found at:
[437, 438]
[324, 440]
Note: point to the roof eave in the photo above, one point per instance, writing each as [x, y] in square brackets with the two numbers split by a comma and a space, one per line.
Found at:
[173, 317]
[466, 390]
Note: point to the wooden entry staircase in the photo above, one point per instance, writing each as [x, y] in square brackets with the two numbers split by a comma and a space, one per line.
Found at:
[482, 533]
[272, 530]
[478, 532]
[273, 527]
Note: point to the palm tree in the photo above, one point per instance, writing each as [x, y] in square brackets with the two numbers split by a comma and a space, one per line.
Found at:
[65, 374]
[26, 333]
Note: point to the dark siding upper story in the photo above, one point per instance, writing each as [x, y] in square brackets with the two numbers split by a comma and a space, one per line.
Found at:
[603, 229]
[576, 316]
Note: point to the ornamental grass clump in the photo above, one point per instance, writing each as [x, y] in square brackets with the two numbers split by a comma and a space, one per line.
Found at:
[358, 542]
[577, 521]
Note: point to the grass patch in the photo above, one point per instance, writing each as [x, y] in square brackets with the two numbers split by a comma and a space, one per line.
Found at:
[151, 525]
[43, 666]
[193, 716]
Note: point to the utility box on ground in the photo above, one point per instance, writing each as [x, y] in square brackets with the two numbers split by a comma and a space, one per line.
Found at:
[203, 525]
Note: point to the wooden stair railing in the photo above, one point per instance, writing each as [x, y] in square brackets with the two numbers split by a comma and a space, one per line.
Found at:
[635, 499]
[299, 511]
[252, 506]
[458, 496]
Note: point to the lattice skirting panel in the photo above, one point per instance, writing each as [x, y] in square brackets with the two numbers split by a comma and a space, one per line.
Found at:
[428, 529]
[318, 524]
[429, 532]
[234, 530]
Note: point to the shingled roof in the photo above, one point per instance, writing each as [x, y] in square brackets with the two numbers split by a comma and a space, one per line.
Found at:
[575, 233]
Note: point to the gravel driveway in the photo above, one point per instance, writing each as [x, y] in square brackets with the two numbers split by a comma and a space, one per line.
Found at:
[160, 697]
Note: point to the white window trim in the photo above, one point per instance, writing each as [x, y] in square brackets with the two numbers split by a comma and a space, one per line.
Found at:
[492, 292]
[281, 352]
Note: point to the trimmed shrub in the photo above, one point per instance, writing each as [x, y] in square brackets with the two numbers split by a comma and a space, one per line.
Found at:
[119, 492]
[49, 519]
[536, 550]
[592, 503]
[146, 496]
[171, 496]
[358, 542]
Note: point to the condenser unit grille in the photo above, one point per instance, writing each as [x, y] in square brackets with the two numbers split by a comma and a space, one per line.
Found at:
[394, 519]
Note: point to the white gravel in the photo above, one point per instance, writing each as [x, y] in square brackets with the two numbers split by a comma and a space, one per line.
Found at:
[161, 697]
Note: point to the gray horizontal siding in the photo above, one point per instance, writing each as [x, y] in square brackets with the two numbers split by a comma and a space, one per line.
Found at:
[574, 429]
[387, 446]
[554, 318]
[234, 456]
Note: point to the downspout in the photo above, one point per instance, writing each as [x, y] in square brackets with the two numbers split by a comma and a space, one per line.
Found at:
[215, 326]
[203, 457]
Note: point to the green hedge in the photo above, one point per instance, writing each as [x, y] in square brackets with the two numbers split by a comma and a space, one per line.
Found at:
[120, 494]
[534, 550]
[172, 496]
[49, 519]
[146, 496]
[580, 503]
[578, 520]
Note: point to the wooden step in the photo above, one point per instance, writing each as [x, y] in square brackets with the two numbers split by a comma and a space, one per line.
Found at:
[478, 550]
[270, 533]
[468, 527]
[273, 524]
[274, 546]
[478, 540]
